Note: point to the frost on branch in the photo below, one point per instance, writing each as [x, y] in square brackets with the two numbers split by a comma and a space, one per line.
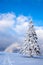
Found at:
[30, 46]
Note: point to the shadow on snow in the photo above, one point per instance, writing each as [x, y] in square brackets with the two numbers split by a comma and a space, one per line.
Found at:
[35, 57]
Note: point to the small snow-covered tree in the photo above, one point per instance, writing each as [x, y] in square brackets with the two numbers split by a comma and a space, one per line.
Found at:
[30, 46]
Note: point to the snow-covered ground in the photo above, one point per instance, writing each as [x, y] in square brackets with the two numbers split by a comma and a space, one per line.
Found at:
[17, 59]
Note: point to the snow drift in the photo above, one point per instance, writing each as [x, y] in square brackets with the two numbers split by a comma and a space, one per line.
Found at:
[15, 47]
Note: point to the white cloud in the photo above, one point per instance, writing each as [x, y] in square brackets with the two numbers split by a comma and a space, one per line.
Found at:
[39, 32]
[7, 20]
[21, 19]
[21, 28]
[18, 24]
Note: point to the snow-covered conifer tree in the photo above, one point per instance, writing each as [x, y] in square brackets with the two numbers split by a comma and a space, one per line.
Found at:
[30, 46]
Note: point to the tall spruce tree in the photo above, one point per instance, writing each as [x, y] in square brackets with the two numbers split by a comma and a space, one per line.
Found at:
[30, 46]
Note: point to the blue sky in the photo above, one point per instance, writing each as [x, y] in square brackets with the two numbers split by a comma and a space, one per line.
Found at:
[14, 18]
[32, 8]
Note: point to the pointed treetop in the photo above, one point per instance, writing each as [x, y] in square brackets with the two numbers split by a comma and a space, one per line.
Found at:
[30, 19]
[30, 22]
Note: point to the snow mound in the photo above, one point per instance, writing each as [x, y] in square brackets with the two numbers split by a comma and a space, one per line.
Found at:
[15, 47]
